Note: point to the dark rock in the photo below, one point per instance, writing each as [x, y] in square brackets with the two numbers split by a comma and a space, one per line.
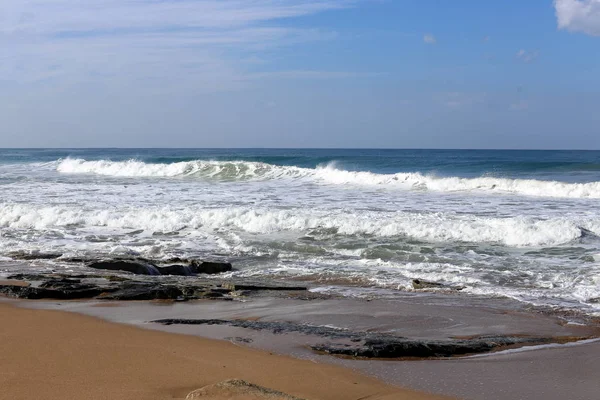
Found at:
[28, 277]
[177, 260]
[209, 267]
[208, 294]
[586, 233]
[419, 284]
[135, 267]
[60, 283]
[235, 286]
[35, 293]
[115, 278]
[175, 266]
[404, 348]
[274, 327]
[199, 267]
[179, 270]
[144, 291]
[373, 344]
[34, 255]
[595, 300]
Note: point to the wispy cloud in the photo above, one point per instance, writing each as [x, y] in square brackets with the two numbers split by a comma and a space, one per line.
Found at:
[578, 16]
[527, 56]
[51, 16]
[203, 41]
[429, 39]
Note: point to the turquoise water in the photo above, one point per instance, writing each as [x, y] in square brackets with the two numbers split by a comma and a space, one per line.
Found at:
[522, 224]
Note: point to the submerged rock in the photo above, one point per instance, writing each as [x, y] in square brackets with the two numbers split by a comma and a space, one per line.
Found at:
[405, 348]
[376, 344]
[243, 286]
[419, 284]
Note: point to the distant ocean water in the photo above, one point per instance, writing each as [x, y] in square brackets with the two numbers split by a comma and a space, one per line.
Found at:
[521, 224]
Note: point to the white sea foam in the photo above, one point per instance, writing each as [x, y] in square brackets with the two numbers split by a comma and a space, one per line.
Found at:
[372, 230]
[436, 227]
[329, 174]
[238, 170]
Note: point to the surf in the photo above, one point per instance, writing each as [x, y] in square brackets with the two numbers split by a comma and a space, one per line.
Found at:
[328, 174]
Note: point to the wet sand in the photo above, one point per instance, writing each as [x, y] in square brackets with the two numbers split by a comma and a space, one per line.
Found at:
[563, 372]
[53, 354]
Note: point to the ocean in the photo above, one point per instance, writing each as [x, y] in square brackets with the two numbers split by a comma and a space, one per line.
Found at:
[518, 224]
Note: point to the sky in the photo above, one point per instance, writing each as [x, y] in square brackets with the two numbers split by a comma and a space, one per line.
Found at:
[317, 73]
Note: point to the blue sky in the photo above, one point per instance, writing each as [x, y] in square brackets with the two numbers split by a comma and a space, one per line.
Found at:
[283, 73]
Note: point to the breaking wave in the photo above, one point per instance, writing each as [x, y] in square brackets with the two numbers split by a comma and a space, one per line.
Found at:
[434, 227]
[328, 174]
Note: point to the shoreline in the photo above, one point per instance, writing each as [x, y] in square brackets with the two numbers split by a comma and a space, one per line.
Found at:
[549, 372]
[424, 341]
[62, 355]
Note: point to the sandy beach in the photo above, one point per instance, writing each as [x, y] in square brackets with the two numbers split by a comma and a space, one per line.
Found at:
[59, 355]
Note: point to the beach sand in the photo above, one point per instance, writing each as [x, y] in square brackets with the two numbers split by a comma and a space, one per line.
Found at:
[47, 354]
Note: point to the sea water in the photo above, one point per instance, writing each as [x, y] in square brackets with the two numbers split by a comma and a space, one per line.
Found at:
[519, 224]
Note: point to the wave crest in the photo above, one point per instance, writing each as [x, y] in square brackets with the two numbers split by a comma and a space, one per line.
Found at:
[329, 174]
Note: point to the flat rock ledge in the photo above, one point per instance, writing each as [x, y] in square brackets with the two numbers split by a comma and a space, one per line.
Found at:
[122, 288]
[135, 265]
[178, 267]
[374, 345]
[237, 389]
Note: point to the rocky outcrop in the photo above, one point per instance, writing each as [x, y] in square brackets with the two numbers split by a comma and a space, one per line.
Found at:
[117, 287]
[145, 267]
[33, 255]
[237, 389]
[134, 267]
[210, 267]
[67, 292]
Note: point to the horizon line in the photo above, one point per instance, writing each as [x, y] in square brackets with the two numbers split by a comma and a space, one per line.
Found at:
[291, 148]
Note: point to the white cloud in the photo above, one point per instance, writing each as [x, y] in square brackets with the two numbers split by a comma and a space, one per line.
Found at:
[578, 16]
[201, 42]
[53, 16]
[429, 39]
[527, 56]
